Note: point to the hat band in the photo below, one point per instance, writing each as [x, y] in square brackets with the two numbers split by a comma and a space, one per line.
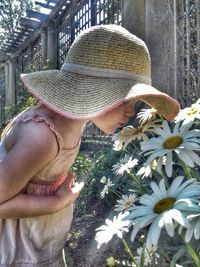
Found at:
[105, 73]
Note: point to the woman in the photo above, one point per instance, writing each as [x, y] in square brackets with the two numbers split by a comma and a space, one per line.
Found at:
[106, 71]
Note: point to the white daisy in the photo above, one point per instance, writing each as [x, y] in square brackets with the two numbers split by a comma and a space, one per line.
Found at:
[193, 206]
[193, 217]
[127, 135]
[108, 184]
[130, 133]
[194, 230]
[159, 209]
[146, 115]
[118, 145]
[125, 164]
[181, 141]
[198, 101]
[115, 227]
[103, 180]
[146, 170]
[125, 203]
[189, 114]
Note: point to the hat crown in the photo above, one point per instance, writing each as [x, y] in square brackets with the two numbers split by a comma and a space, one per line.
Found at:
[110, 47]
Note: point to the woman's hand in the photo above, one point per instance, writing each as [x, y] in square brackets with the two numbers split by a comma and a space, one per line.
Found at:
[69, 191]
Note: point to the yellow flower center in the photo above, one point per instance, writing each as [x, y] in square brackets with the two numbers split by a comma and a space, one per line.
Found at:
[128, 204]
[164, 204]
[130, 132]
[153, 164]
[173, 142]
[138, 130]
[111, 262]
[192, 111]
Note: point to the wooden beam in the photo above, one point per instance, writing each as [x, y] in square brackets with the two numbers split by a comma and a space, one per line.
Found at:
[16, 34]
[35, 34]
[16, 41]
[56, 11]
[44, 5]
[25, 29]
[51, 1]
[6, 46]
[30, 23]
[37, 15]
[13, 46]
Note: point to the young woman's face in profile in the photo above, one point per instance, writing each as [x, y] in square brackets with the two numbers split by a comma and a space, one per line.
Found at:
[116, 118]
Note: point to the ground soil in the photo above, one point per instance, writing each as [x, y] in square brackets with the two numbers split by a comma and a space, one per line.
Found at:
[81, 247]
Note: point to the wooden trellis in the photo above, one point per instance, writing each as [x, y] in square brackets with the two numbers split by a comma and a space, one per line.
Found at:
[188, 52]
[29, 48]
[42, 41]
[2, 93]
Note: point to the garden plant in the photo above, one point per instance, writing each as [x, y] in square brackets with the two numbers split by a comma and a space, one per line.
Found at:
[156, 180]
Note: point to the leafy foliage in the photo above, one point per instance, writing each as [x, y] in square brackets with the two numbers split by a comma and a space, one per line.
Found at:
[13, 110]
[10, 14]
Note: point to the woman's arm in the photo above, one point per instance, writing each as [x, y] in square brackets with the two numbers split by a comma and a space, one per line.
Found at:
[32, 149]
[24, 205]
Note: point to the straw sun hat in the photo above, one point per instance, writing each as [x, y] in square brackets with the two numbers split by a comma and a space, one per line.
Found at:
[106, 65]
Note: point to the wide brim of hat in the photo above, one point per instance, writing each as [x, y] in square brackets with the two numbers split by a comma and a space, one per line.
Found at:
[86, 97]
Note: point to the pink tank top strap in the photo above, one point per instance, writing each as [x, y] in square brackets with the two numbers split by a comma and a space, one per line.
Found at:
[37, 117]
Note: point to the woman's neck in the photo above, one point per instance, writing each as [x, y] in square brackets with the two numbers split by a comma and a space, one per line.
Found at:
[71, 130]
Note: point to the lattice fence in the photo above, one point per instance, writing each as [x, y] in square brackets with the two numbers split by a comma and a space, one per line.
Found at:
[75, 16]
[88, 13]
[2, 93]
[188, 48]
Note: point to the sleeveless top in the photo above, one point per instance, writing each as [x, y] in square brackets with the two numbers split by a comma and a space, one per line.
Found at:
[39, 241]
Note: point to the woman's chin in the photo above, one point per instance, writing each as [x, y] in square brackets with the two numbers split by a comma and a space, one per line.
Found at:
[109, 131]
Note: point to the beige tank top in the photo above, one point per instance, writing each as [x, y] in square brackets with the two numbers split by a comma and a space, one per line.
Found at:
[49, 178]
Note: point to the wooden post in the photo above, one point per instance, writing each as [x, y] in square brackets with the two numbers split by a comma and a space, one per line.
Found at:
[44, 47]
[161, 41]
[51, 47]
[180, 39]
[6, 82]
[155, 22]
[10, 83]
[134, 17]
[198, 43]
[188, 44]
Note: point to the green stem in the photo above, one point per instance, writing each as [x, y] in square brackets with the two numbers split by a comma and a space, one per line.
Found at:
[115, 192]
[186, 169]
[127, 249]
[138, 151]
[193, 254]
[135, 181]
[166, 180]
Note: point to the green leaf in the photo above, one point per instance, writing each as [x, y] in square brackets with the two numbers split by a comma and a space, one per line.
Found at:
[177, 256]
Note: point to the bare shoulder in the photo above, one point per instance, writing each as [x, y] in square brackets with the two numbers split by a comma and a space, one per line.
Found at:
[35, 136]
[31, 147]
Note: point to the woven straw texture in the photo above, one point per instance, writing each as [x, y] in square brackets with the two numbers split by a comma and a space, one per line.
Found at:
[105, 49]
